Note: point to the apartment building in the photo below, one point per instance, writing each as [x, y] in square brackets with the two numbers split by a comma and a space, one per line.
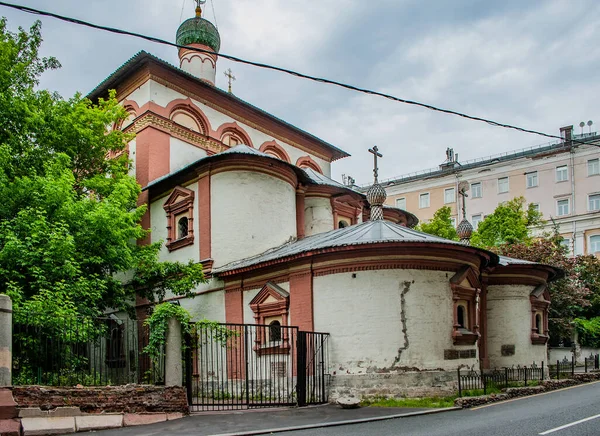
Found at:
[561, 179]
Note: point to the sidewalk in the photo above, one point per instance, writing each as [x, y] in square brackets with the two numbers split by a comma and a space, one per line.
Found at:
[264, 421]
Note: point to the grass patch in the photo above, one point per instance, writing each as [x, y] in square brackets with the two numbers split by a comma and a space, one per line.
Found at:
[432, 403]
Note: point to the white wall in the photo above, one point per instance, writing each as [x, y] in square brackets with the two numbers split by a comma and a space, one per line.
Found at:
[364, 317]
[141, 95]
[210, 305]
[318, 215]
[183, 154]
[158, 226]
[509, 323]
[250, 213]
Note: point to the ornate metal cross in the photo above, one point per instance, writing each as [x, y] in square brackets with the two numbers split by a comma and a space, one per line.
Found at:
[463, 193]
[230, 77]
[376, 154]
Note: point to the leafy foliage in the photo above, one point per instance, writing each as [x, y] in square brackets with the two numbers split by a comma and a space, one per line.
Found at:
[69, 220]
[588, 331]
[441, 225]
[510, 223]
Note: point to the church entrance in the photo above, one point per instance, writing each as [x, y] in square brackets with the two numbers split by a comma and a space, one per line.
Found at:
[245, 366]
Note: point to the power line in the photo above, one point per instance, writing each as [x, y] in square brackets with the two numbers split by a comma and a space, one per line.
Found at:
[282, 70]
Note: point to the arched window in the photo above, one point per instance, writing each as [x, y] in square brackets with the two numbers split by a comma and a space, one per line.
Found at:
[538, 323]
[461, 316]
[182, 227]
[185, 119]
[231, 139]
[275, 331]
[342, 224]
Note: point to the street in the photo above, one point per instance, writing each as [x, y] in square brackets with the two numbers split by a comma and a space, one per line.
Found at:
[547, 414]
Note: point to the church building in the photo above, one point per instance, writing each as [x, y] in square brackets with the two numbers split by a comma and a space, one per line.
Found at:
[250, 197]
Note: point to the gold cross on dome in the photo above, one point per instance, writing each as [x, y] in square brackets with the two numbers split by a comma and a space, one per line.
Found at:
[376, 154]
[199, 4]
[231, 77]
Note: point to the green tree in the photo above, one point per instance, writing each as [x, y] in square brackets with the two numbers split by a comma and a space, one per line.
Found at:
[510, 223]
[441, 225]
[69, 221]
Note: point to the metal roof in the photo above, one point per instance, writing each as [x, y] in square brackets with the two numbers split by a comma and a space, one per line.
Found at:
[112, 80]
[368, 232]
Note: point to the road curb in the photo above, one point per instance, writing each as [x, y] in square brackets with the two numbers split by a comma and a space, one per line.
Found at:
[337, 423]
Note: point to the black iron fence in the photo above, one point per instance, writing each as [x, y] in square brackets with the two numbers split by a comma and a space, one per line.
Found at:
[85, 351]
[566, 369]
[242, 366]
[490, 381]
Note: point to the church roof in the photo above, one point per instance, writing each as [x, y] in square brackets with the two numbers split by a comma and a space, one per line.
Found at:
[142, 58]
[369, 232]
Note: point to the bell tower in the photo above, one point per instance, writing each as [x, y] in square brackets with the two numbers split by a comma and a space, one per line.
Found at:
[199, 33]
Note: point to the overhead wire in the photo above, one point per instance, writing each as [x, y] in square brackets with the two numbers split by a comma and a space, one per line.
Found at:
[285, 70]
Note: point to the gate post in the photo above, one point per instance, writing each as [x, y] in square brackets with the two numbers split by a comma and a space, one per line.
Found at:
[173, 369]
[301, 369]
[188, 367]
[5, 340]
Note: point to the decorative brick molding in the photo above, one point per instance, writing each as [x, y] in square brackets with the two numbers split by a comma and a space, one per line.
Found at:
[109, 399]
[179, 205]
[272, 301]
[274, 149]
[308, 162]
[466, 288]
[540, 304]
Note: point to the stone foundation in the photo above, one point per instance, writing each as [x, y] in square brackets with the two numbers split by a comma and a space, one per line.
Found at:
[110, 399]
[394, 385]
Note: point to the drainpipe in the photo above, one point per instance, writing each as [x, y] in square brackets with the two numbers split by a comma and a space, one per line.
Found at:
[573, 209]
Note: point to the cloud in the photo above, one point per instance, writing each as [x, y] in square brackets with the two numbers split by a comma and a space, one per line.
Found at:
[527, 63]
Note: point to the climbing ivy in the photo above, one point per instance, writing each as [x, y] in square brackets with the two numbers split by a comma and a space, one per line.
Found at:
[158, 324]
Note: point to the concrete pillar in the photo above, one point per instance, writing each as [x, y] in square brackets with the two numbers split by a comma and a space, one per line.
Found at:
[173, 364]
[5, 340]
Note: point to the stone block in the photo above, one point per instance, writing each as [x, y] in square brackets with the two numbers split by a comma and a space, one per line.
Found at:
[32, 412]
[98, 422]
[173, 416]
[10, 427]
[8, 407]
[131, 419]
[46, 426]
[65, 411]
[349, 402]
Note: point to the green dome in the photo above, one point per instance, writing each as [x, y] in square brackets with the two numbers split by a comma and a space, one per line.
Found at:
[197, 30]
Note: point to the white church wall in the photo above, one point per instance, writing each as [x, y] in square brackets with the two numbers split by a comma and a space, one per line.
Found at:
[208, 305]
[509, 323]
[141, 95]
[318, 215]
[163, 95]
[183, 154]
[250, 213]
[132, 157]
[158, 226]
[365, 318]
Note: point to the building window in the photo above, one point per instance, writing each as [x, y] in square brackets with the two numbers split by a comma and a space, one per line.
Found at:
[231, 139]
[465, 290]
[270, 307]
[342, 224]
[595, 244]
[502, 185]
[540, 301]
[475, 220]
[535, 206]
[180, 218]
[449, 196]
[562, 173]
[594, 202]
[566, 242]
[476, 190]
[562, 207]
[532, 179]
[423, 201]
[593, 167]
[401, 203]
[453, 221]
[461, 317]
[538, 323]
[275, 331]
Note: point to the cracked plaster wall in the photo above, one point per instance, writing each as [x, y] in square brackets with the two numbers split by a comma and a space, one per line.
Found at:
[365, 318]
[509, 323]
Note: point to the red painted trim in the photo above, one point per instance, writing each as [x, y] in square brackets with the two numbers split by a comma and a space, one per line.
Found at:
[187, 106]
[308, 162]
[153, 155]
[204, 216]
[180, 201]
[236, 129]
[301, 300]
[300, 212]
[274, 149]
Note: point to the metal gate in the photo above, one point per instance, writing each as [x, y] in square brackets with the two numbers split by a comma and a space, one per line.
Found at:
[243, 366]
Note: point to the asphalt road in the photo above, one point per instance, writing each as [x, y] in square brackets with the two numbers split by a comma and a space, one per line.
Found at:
[540, 415]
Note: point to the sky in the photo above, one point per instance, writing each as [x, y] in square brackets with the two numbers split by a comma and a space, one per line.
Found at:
[527, 63]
